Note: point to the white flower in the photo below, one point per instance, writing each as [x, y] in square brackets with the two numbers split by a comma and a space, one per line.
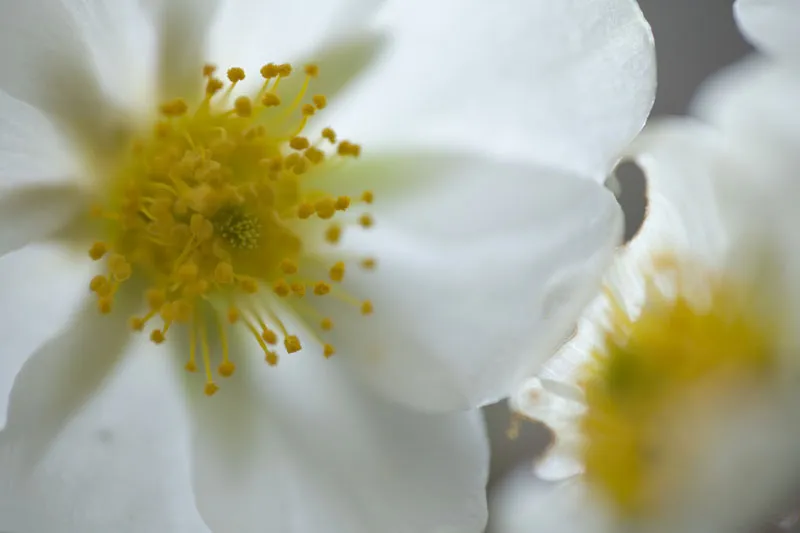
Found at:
[676, 406]
[429, 267]
[771, 25]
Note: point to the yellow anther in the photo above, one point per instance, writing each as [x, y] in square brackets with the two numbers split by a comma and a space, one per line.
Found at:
[119, 267]
[337, 271]
[197, 287]
[291, 160]
[155, 299]
[235, 74]
[136, 323]
[157, 336]
[305, 210]
[201, 228]
[248, 285]
[226, 369]
[191, 366]
[213, 86]
[209, 69]
[328, 351]
[292, 344]
[188, 272]
[98, 250]
[243, 106]
[366, 221]
[284, 70]
[99, 285]
[368, 263]
[104, 304]
[288, 266]
[269, 71]
[346, 148]
[342, 203]
[271, 358]
[326, 324]
[321, 288]
[233, 315]
[330, 135]
[320, 101]
[174, 108]
[300, 167]
[182, 311]
[325, 208]
[210, 389]
[312, 70]
[269, 336]
[333, 234]
[315, 155]
[223, 274]
[367, 197]
[366, 307]
[298, 289]
[271, 100]
[281, 288]
[308, 110]
[299, 143]
[167, 312]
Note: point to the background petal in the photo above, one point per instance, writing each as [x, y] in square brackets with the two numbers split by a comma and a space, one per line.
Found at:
[78, 61]
[121, 463]
[524, 504]
[41, 288]
[771, 25]
[566, 84]
[301, 447]
[483, 269]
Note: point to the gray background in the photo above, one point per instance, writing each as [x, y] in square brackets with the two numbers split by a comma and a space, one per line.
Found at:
[694, 38]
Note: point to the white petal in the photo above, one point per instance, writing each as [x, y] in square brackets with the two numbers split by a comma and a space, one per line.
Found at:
[249, 34]
[523, 504]
[38, 176]
[41, 287]
[63, 374]
[182, 28]
[77, 60]
[771, 25]
[483, 268]
[121, 464]
[566, 84]
[302, 447]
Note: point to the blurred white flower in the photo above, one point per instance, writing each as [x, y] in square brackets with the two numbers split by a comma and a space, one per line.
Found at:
[233, 223]
[675, 407]
[771, 25]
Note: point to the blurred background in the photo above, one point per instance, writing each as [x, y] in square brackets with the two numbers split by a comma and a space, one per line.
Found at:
[694, 38]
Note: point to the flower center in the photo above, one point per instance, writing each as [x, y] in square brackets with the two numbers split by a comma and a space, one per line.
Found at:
[677, 346]
[212, 207]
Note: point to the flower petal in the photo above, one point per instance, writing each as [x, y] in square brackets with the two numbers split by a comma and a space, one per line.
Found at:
[41, 286]
[63, 375]
[279, 32]
[38, 184]
[482, 270]
[771, 25]
[121, 464]
[302, 447]
[566, 84]
[522, 504]
[77, 60]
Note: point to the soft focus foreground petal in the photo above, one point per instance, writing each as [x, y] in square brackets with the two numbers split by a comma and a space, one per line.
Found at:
[771, 25]
[40, 288]
[58, 379]
[38, 177]
[302, 447]
[182, 29]
[524, 504]
[77, 61]
[566, 84]
[249, 34]
[482, 269]
[121, 464]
